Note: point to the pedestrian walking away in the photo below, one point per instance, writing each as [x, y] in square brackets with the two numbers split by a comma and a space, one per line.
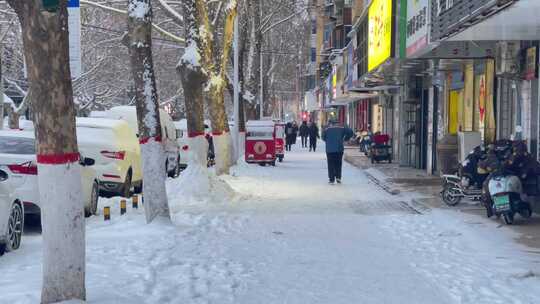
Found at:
[334, 136]
[289, 136]
[313, 133]
[295, 131]
[304, 132]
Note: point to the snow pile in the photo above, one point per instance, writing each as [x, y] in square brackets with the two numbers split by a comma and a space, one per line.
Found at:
[196, 186]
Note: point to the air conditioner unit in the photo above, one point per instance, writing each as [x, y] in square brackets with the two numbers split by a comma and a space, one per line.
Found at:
[507, 57]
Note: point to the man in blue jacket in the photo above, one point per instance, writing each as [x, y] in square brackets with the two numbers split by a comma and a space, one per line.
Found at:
[334, 136]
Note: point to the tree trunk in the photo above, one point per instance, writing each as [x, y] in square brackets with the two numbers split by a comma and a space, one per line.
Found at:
[146, 99]
[193, 80]
[45, 38]
[217, 79]
[254, 52]
[13, 118]
[2, 101]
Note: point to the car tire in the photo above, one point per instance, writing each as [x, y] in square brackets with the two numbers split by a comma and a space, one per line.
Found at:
[15, 227]
[94, 198]
[137, 188]
[126, 188]
[508, 218]
[2, 249]
[177, 170]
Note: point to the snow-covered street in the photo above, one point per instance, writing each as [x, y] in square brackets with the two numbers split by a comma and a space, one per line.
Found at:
[289, 237]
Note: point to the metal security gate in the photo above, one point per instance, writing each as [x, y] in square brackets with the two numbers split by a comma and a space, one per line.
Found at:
[411, 133]
[506, 95]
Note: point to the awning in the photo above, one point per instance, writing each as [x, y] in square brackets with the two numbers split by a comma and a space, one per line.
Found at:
[375, 89]
[352, 97]
[519, 21]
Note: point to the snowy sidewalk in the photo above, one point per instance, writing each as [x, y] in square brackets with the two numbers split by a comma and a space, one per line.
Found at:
[289, 237]
[395, 179]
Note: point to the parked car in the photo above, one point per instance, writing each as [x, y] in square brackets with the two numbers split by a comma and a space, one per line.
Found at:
[168, 131]
[182, 139]
[117, 154]
[11, 216]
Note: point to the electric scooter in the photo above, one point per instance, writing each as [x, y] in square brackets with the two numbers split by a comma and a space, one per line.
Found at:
[456, 188]
[505, 192]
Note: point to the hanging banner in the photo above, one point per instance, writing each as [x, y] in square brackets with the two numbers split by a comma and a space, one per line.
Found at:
[74, 26]
[482, 105]
[468, 94]
[530, 64]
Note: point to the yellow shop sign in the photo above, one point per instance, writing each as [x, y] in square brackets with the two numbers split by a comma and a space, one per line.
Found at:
[380, 32]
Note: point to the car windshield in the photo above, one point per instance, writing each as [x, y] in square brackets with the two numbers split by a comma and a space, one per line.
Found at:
[17, 145]
[259, 134]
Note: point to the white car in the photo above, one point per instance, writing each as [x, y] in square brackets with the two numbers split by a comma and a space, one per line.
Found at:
[19, 193]
[168, 131]
[182, 139]
[116, 151]
[11, 216]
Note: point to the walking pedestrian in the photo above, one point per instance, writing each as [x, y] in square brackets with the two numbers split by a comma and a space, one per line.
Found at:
[334, 136]
[295, 131]
[304, 132]
[313, 136]
[289, 136]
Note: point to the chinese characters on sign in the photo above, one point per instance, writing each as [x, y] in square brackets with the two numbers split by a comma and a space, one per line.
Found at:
[417, 25]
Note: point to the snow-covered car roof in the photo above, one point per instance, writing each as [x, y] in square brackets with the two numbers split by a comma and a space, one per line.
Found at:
[17, 133]
[99, 122]
[24, 124]
[182, 124]
[260, 123]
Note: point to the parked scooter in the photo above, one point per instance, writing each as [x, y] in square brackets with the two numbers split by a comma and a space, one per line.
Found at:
[456, 188]
[509, 190]
[505, 191]
[467, 182]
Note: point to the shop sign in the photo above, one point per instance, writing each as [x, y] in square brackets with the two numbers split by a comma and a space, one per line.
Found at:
[482, 103]
[334, 82]
[417, 25]
[380, 32]
[530, 63]
[350, 66]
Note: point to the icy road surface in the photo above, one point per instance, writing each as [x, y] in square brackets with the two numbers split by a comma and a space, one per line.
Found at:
[292, 238]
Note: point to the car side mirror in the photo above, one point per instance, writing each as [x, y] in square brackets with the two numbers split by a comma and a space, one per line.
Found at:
[87, 162]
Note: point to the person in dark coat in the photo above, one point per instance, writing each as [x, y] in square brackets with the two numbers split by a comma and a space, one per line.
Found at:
[334, 136]
[304, 132]
[295, 130]
[289, 136]
[313, 132]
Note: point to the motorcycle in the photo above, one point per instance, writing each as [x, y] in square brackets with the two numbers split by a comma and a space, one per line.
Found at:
[467, 182]
[505, 193]
[456, 188]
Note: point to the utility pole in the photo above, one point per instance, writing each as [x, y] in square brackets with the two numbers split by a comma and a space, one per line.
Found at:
[261, 65]
[236, 85]
[1, 94]
[261, 85]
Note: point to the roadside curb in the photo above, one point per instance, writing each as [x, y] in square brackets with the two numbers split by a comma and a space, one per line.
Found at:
[388, 187]
[418, 206]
